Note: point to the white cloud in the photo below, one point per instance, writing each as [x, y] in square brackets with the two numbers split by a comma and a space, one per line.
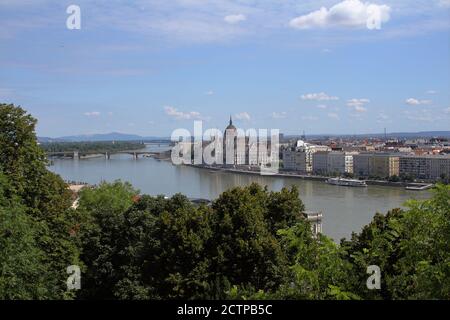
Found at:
[245, 116]
[179, 115]
[348, 13]
[447, 110]
[432, 91]
[234, 18]
[209, 93]
[321, 96]
[358, 104]
[333, 116]
[416, 102]
[321, 106]
[279, 115]
[92, 114]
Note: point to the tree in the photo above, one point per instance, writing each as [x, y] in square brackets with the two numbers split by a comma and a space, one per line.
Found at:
[101, 211]
[22, 274]
[411, 247]
[245, 252]
[142, 247]
[44, 195]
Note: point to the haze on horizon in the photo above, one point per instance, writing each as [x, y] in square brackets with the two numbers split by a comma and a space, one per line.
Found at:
[148, 67]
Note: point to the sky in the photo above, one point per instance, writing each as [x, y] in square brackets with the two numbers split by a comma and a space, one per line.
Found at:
[149, 67]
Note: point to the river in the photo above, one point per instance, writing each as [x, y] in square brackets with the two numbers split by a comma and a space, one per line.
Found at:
[345, 209]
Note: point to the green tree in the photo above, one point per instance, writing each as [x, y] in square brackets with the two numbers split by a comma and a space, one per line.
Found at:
[244, 250]
[22, 273]
[411, 247]
[44, 195]
[101, 211]
[141, 247]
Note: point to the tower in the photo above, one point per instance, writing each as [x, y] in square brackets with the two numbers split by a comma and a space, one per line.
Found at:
[230, 138]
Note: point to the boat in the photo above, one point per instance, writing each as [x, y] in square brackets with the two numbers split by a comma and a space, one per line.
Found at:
[419, 186]
[346, 182]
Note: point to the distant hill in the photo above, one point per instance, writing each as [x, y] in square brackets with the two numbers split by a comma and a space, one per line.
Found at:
[113, 136]
[405, 135]
[116, 136]
[423, 134]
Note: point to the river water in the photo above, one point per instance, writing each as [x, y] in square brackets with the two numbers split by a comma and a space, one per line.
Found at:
[345, 209]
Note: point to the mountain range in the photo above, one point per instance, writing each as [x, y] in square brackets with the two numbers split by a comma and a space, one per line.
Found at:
[113, 136]
[116, 136]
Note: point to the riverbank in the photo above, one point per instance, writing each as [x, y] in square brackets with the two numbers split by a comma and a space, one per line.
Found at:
[307, 177]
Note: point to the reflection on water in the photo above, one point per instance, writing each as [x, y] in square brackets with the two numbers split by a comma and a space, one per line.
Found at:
[345, 209]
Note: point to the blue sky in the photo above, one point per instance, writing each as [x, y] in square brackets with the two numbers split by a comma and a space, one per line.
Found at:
[151, 66]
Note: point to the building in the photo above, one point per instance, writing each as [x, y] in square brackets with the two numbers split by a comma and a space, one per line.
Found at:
[300, 157]
[310, 149]
[383, 166]
[245, 150]
[295, 160]
[426, 167]
[325, 163]
[349, 161]
[320, 162]
[380, 165]
[439, 167]
[361, 164]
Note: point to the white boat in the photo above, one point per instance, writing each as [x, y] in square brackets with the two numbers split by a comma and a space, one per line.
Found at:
[346, 182]
[419, 186]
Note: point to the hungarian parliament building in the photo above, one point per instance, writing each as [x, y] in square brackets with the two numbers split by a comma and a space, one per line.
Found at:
[235, 149]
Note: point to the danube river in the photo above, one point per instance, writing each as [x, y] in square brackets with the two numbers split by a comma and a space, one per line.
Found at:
[345, 209]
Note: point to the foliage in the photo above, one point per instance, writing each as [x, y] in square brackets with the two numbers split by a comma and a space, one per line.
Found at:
[411, 247]
[101, 146]
[22, 275]
[40, 194]
[169, 248]
[249, 244]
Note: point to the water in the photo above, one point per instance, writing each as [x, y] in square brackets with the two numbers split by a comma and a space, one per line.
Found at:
[344, 209]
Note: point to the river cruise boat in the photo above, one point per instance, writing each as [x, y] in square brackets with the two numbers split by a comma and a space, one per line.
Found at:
[346, 182]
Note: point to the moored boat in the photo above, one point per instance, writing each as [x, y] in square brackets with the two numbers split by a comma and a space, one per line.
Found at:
[346, 182]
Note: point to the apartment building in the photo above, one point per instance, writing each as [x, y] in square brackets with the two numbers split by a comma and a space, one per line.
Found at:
[300, 158]
[361, 164]
[427, 167]
[383, 166]
[376, 165]
[329, 163]
[295, 160]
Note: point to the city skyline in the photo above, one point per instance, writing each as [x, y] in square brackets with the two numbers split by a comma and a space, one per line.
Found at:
[149, 67]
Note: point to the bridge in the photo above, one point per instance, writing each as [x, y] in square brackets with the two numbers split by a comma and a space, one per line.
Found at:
[106, 154]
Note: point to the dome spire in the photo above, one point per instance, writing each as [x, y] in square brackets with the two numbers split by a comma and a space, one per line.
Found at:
[231, 120]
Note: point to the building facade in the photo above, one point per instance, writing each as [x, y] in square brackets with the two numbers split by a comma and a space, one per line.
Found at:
[326, 163]
[300, 157]
[427, 167]
[295, 160]
[376, 165]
